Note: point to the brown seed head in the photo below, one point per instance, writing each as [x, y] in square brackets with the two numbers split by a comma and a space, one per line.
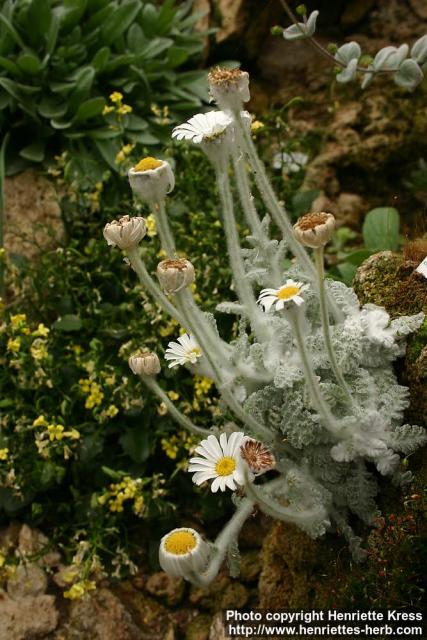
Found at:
[223, 76]
[258, 457]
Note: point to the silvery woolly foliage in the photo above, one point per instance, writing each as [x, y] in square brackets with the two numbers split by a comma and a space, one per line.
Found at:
[404, 63]
[317, 411]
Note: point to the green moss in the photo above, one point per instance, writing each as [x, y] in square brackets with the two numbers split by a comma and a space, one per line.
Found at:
[417, 343]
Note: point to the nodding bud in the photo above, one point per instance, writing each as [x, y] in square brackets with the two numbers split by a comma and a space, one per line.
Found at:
[144, 364]
[126, 232]
[315, 229]
[182, 552]
[151, 180]
[175, 274]
[229, 88]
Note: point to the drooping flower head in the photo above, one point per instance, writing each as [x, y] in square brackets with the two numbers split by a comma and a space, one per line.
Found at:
[257, 456]
[315, 229]
[219, 460]
[183, 551]
[144, 363]
[288, 294]
[151, 180]
[185, 351]
[229, 88]
[175, 274]
[213, 131]
[126, 232]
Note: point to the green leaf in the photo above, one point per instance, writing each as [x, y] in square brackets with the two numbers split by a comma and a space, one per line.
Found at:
[136, 444]
[347, 272]
[39, 18]
[12, 31]
[29, 63]
[357, 257]
[409, 75]
[118, 21]
[50, 107]
[69, 322]
[6, 402]
[177, 56]
[302, 201]
[381, 229]
[34, 152]
[90, 109]
[135, 38]
[101, 58]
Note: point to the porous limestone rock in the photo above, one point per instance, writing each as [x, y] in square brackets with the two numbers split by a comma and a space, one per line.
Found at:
[29, 618]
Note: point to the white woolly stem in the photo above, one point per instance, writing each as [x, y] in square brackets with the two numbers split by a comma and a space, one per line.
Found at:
[316, 397]
[151, 286]
[249, 209]
[220, 547]
[164, 230]
[277, 211]
[243, 287]
[272, 508]
[153, 385]
[324, 315]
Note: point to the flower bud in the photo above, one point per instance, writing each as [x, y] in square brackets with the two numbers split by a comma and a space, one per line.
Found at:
[183, 551]
[175, 274]
[144, 363]
[229, 88]
[315, 229]
[151, 180]
[125, 233]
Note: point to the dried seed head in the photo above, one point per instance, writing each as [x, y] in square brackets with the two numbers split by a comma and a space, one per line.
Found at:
[229, 88]
[257, 456]
[315, 229]
[175, 274]
[144, 363]
[126, 232]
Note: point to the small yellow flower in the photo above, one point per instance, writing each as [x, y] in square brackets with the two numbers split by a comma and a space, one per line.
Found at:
[107, 109]
[4, 454]
[55, 431]
[112, 411]
[38, 350]
[173, 395]
[14, 345]
[40, 422]
[116, 96]
[41, 331]
[79, 589]
[73, 434]
[124, 109]
[150, 222]
[162, 409]
[2, 560]
[256, 126]
[18, 321]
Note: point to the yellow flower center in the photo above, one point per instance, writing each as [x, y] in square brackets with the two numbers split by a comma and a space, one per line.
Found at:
[197, 351]
[287, 292]
[147, 164]
[180, 542]
[225, 466]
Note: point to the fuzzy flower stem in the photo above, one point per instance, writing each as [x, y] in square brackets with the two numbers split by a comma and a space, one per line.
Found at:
[243, 287]
[276, 210]
[273, 508]
[324, 315]
[222, 543]
[317, 399]
[165, 233]
[148, 282]
[153, 385]
[250, 211]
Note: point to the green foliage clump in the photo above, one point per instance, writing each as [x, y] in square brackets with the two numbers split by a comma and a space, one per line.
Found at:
[60, 61]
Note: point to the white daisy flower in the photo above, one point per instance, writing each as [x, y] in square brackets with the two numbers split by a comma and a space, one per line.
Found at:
[289, 292]
[203, 127]
[183, 551]
[221, 462]
[185, 351]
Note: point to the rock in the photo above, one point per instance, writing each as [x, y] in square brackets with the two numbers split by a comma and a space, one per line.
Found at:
[254, 531]
[350, 210]
[33, 541]
[222, 593]
[298, 572]
[250, 566]
[218, 631]
[169, 589]
[355, 12]
[33, 220]
[198, 628]
[29, 618]
[28, 580]
[100, 615]
[390, 280]
[152, 619]
[420, 8]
